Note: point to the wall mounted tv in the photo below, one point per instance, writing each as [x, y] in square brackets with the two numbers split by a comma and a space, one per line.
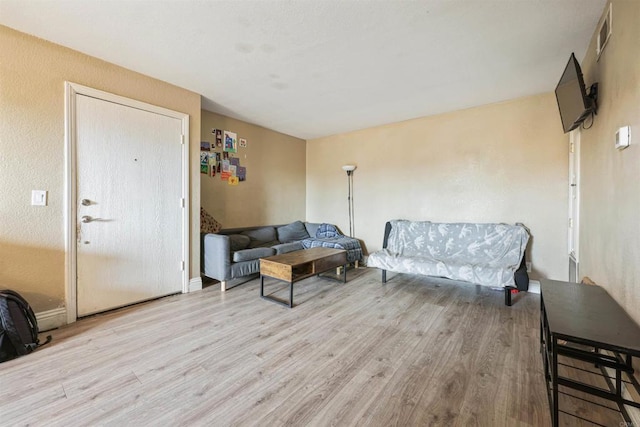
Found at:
[574, 103]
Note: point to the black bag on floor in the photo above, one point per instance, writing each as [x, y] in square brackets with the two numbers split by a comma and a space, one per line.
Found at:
[18, 326]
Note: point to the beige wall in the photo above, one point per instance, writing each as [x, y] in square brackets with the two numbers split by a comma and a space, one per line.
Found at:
[610, 179]
[32, 76]
[274, 192]
[503, 162]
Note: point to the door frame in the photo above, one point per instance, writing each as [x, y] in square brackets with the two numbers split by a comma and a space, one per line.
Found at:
[71, 90]
[573, 234]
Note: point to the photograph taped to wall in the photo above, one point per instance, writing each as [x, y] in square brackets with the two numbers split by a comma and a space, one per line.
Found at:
[205, 146]
[225, 175]
[230, 141]
[204, 157]
[234, 161]
[241, 173]
[204, 169]
[225, 166]
[233, 180]
[214, 131]
[233, 169]
[243, 143]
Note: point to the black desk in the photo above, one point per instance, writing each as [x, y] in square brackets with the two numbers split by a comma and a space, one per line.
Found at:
[588, 316]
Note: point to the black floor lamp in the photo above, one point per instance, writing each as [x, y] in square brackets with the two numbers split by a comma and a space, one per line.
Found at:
[349, 170]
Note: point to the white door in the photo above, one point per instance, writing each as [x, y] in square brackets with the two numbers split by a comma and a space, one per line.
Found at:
[129, 205]
[574, 202]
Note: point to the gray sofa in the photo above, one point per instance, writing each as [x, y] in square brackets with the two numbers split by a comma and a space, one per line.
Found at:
[486, 254]
[233, 256]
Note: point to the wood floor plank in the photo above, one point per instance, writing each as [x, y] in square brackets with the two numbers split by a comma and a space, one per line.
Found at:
[413, 351]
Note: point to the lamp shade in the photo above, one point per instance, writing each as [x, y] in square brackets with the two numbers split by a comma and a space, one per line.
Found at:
[349, 168]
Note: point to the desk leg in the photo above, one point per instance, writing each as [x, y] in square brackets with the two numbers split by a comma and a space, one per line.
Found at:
[554, 380]
[261, 285]
[541, 325]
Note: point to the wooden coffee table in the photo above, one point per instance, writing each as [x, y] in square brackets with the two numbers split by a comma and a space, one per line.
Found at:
[298, 265]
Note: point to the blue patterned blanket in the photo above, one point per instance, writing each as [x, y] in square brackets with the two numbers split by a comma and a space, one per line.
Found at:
[328, 236]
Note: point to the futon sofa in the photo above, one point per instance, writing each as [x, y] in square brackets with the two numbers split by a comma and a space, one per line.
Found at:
[233, 256]
[485, 254]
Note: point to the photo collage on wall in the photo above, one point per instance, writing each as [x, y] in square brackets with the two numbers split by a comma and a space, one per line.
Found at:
[217, 158]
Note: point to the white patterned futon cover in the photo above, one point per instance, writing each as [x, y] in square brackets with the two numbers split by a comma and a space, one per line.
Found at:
[486, 254]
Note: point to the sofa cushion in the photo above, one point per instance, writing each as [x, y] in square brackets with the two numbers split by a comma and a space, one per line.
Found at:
[284, 248]
[480, 274]
[254, 253]
[259, 244]
[292, 232]
[260, 236]
[238, 242]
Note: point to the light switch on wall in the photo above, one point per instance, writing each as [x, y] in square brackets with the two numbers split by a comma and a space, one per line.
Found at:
[623, 137]
[38, 197]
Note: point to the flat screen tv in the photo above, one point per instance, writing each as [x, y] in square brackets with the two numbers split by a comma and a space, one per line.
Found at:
[574, 103]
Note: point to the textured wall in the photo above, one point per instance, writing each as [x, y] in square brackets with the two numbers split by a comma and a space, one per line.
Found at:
[32, 76]
[503, 162]
[610, 183]
[274, 192]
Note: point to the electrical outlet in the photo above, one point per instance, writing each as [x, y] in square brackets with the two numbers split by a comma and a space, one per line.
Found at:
[528, 266]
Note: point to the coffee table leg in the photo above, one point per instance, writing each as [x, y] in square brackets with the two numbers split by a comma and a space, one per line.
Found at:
[261, 285]
[290, 294]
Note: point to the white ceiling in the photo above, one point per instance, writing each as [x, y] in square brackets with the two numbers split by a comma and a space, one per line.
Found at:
[316, 68]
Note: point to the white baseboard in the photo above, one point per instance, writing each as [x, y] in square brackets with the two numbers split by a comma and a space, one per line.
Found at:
[51, 319]
[534, 287]
[195, 284]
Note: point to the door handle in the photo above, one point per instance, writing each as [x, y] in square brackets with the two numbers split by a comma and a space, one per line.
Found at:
[85, 202]
[87, 218]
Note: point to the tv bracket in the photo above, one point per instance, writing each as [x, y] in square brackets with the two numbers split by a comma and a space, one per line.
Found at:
[593, 96]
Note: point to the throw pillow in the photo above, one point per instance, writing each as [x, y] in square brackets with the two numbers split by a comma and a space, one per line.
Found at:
[292, 232]
[312, 228]
[208, 224]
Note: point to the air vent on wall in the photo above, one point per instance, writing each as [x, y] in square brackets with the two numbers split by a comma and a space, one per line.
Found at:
[604, 32]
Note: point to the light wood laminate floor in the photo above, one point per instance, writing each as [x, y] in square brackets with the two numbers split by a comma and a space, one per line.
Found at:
[415, 351]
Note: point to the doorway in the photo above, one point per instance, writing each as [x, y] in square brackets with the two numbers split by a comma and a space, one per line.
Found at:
[127, 187]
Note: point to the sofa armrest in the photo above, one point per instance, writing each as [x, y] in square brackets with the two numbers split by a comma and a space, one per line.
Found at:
[217, 256]
[387, 231]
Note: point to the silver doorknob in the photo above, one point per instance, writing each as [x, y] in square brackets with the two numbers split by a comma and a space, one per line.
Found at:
[87, 218]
